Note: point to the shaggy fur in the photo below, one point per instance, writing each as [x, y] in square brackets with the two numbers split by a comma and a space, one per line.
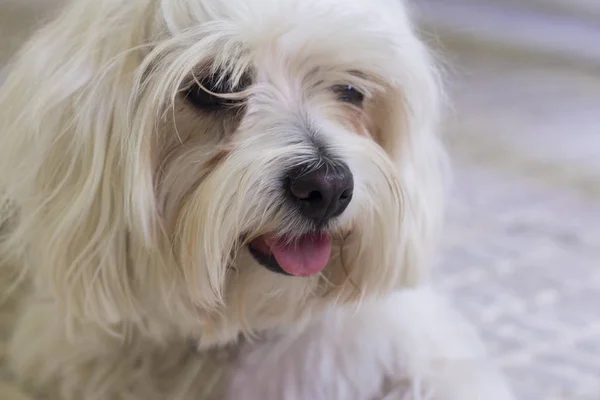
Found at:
[128, 210]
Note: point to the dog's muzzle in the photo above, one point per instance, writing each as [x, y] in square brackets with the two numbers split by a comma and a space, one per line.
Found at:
[318, 195]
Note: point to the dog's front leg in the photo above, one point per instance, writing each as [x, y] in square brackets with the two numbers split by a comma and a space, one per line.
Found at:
[409, 346]
[418, 336]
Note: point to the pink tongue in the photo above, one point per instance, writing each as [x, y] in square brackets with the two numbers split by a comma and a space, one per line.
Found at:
[307, 256]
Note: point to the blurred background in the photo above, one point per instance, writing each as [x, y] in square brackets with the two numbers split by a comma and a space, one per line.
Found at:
[521, 251]
[522, 242]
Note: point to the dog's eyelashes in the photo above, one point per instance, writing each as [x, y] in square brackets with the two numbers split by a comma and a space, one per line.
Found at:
[203, 100]
[206, 93]
[349, 94]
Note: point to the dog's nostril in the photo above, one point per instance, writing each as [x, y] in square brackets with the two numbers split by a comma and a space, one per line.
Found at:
[346, 195]
[315, 196]
[323, 193]
[300, 195]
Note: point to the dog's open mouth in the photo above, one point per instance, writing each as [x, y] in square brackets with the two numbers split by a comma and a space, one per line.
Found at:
[305, 256]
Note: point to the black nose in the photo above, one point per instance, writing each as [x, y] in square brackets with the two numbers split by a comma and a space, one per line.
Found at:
[323, 193]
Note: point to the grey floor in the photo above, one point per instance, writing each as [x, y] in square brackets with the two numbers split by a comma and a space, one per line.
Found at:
[521, 249]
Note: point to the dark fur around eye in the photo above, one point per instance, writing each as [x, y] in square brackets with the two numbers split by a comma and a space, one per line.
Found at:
[348, 94]
[206, 101]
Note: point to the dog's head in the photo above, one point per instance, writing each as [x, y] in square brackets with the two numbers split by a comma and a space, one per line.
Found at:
[238, 162]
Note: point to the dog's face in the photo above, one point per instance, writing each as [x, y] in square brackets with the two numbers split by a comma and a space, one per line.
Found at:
[267, 157]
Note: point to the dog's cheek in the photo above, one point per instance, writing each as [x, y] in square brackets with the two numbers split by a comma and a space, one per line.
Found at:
[190, 146]
[379, 112]
[406, 129]
[359, 121]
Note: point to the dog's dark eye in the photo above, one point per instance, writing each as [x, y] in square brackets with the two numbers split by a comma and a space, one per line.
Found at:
[348, 94]
[204, 100]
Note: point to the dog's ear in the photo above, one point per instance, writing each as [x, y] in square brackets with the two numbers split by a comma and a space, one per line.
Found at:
[63, 125]
[406, 118]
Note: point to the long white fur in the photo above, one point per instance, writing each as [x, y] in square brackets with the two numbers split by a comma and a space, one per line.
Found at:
[131, 226]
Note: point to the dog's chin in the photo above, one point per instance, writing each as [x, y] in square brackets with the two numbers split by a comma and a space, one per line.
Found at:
[304, 256]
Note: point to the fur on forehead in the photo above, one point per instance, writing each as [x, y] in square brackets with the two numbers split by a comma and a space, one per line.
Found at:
[350, 41]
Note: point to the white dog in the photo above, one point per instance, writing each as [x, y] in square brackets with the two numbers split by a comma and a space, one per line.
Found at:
[230, 199]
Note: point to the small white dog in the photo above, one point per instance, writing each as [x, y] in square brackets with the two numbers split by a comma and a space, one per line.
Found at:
[230, 199]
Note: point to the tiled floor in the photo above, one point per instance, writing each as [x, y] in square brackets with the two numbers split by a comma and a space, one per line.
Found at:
[521, 250]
